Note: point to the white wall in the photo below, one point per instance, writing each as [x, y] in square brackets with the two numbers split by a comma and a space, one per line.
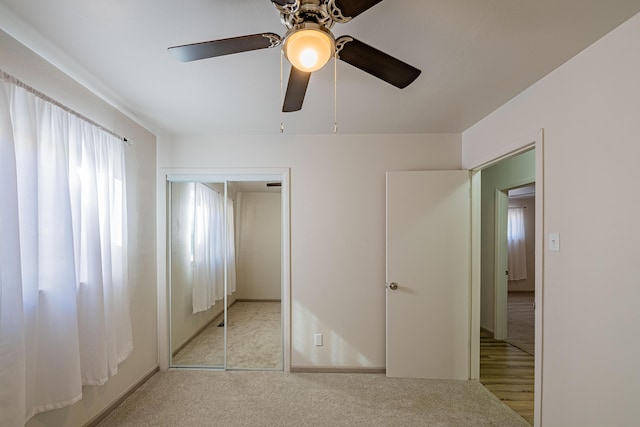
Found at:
[337, 226]
[589, 109]
[508, 173]
[258, 235]
[22, 63]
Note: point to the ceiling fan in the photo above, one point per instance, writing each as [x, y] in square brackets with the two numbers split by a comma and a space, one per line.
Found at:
[309, 44]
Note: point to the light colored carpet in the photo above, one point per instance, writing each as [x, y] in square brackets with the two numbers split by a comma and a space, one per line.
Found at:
[521, 321]
[270, 398]
[254, 339]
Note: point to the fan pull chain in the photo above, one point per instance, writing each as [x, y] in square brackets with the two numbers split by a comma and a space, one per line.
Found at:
[335, 92]
[281, 90]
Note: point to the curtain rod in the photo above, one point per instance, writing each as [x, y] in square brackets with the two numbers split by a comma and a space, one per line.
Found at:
[206, 184]
[11, 79]
[517, 207]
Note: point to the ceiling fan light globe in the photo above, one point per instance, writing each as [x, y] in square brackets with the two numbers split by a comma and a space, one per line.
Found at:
[309, 58]
[309, 48]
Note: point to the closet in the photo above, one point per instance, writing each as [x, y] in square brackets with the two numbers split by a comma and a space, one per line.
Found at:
[225, 274]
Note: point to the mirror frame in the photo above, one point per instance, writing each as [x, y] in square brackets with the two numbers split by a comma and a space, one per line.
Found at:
[222, 175]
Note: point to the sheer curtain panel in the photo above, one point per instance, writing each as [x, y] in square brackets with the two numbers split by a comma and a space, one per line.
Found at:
[516, 249]
[65, 318]
[208, 248]
[209, 231]
[12, 325]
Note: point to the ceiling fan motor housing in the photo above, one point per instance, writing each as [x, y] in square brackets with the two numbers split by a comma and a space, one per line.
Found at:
[323, 12]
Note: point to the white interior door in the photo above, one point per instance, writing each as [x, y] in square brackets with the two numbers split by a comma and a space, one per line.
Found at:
[500, 272]
[428, 264]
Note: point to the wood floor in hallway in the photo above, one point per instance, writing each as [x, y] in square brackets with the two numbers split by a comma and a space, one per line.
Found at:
[508, 373]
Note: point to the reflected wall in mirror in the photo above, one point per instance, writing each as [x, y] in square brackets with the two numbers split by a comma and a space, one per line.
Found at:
[254, 331]
[249, 334]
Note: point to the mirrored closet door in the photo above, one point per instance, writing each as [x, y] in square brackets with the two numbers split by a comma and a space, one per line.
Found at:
[225, 275]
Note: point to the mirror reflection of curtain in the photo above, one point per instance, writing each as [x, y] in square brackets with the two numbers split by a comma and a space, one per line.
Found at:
[209, 248]
[516, 251]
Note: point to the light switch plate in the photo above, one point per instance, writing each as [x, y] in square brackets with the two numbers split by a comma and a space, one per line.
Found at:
[554, 242]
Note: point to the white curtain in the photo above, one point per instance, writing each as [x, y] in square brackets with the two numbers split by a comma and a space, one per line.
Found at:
[209, 247]
[516, 248]
[12, 334]
[64, 319]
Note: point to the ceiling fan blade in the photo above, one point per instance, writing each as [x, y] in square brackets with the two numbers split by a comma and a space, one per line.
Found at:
[210, 49]
[375, 62]
[284, 2]
[296, 89]
[349, 9]
[287, 7]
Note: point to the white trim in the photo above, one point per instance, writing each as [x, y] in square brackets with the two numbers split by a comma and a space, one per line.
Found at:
[166, 175]
[476, 274]
[539, 281]
[225, 312]
[502, 155]
[162, 263]
[517, 183]
[286, 269]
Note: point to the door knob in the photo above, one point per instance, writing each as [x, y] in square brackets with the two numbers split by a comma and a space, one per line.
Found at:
[393, 286]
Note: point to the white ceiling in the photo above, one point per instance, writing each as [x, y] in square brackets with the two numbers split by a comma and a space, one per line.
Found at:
[474, 55]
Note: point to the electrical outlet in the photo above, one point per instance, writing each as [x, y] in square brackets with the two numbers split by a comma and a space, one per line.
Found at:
[317, 340]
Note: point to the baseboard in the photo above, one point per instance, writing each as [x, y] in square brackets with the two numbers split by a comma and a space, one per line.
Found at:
[216, 318]
[106, 411]
[486, 331]
[336, 370]
[257, 300]
[196, 333]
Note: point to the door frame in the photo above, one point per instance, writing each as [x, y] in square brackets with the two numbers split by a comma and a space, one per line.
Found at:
[501, 282]
[500, 264]
[476, 193]
[165, 176]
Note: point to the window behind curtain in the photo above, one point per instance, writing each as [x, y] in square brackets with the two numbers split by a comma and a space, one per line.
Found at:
[516, 249]
[64, 298]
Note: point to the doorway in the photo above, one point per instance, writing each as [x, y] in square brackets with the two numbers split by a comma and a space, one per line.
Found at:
[521, 268]
[505, 369]
[239, 318]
